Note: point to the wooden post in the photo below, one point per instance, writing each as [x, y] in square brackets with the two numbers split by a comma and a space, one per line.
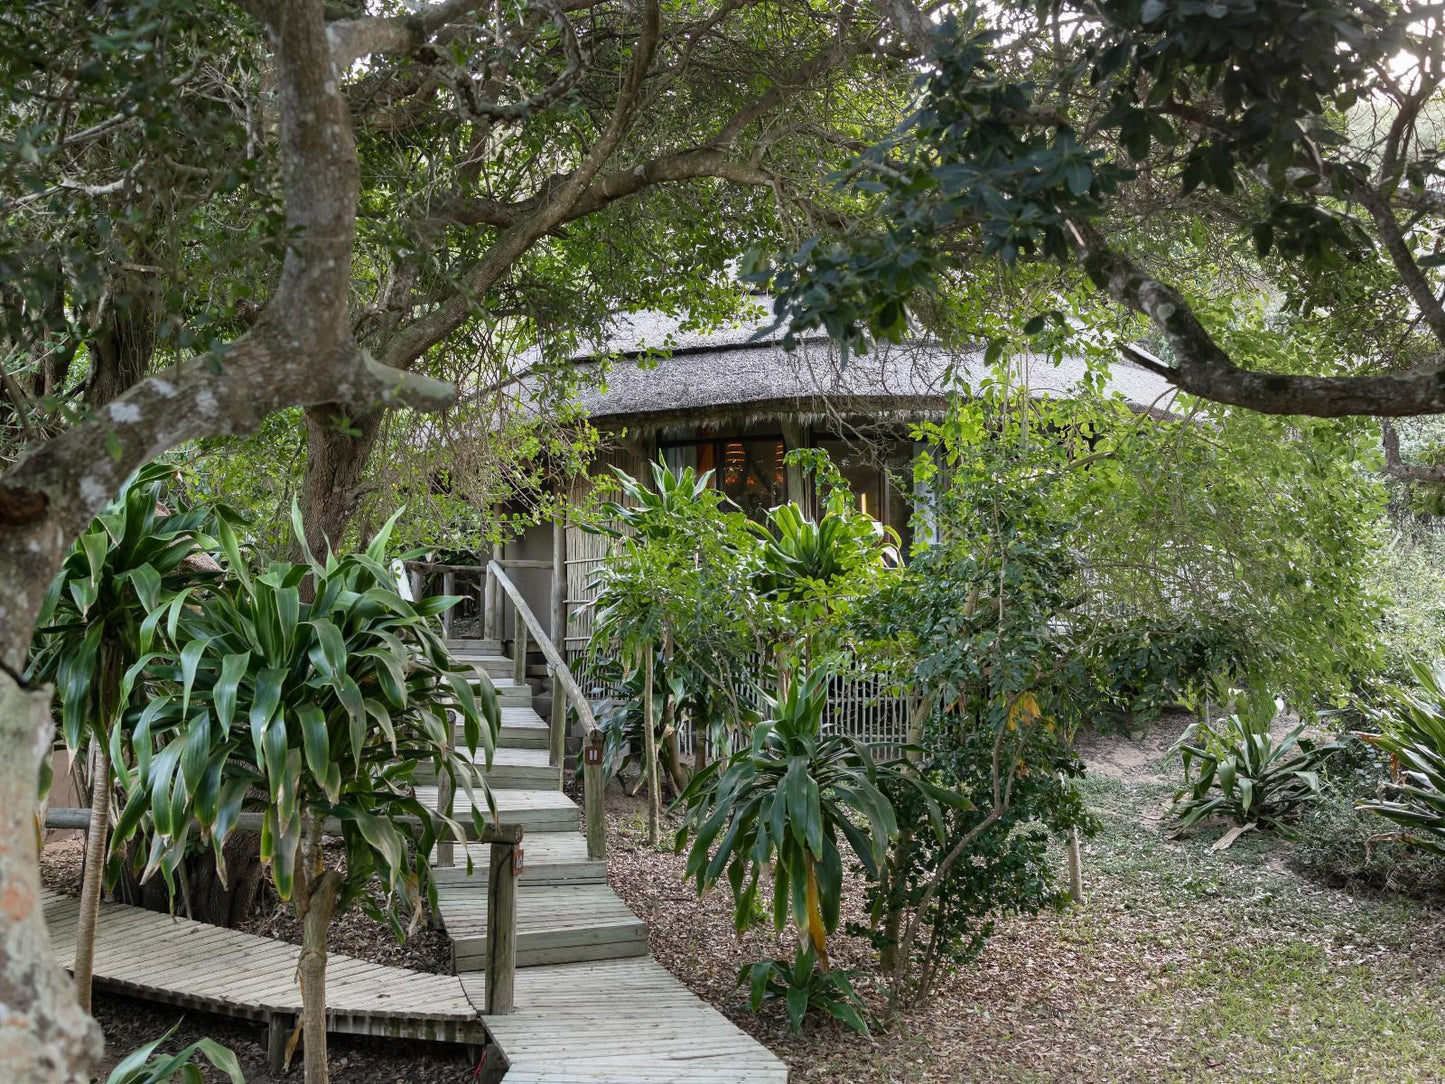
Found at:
[279, 1028]
[519, 664]
[1076, 867]
[489, 606]
[592, 798]
[559, 585]
[557, 743]
[499, 614]
[649, 746]
[446, 799]
[449, 582]
[501, 929]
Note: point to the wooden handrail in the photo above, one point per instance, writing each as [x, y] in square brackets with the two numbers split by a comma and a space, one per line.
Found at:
[558, 665]
[564, 682]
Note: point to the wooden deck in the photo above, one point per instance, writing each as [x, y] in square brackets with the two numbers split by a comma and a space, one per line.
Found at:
[179, 962]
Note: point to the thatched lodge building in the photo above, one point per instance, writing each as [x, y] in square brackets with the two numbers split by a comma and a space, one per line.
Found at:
[734, 401]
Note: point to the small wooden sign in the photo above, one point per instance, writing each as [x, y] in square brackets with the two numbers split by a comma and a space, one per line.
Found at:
[592, 754]
[517, 861]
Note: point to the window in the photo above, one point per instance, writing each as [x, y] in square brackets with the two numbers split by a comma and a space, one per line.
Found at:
[748, 469]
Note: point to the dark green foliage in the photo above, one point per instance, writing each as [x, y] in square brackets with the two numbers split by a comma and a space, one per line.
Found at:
[144, 1066]
[803, 987]
[1147, 665]
[326, 706]
[1246, 774]
[1006, 869]
[979, 624]
[1412, 730]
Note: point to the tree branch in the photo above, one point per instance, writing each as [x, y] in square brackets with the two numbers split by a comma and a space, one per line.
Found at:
[1202, 368]
[1396, 467]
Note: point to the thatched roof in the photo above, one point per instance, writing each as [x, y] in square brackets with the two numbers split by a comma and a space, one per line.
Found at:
[662, 376]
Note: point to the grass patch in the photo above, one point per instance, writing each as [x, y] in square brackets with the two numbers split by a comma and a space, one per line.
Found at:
[1297, 1011]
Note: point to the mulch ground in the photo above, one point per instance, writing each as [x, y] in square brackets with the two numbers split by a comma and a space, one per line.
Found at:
[1182, 966]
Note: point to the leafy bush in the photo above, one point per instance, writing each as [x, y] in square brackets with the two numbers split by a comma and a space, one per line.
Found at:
[1243, 772]
[1412, 730]
[1406, 576]
[1341, 844]
[1144, 665]
[803, 987]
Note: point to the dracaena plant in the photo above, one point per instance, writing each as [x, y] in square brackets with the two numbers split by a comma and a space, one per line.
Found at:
[1412, 730]
[135, 566]
[788, 803]
[325, 705]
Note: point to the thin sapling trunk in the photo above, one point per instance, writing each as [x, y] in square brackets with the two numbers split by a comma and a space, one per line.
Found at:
[649, 747]
[90, 884]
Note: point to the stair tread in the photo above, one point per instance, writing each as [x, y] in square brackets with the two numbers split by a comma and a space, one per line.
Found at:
[541, 909]
[512, 800]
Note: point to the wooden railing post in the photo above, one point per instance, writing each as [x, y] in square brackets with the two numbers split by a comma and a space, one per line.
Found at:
[499, 618]
[489, 608]
[446, 800]
[557, 744]
[449, 582]
[592, 784]
[504, 860]
[519, 664]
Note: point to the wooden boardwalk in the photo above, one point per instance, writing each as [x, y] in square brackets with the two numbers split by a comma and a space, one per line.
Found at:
[625, 1021]
[590, 1003]
[179, 962]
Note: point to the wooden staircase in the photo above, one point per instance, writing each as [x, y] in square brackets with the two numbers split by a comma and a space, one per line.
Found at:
[573, 994]
[566, 913]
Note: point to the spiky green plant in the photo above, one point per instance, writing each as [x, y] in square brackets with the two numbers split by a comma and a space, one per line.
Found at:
[1412, 730]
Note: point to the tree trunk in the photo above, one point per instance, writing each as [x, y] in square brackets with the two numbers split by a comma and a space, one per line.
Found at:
[699, 745]
[337, 449]
[49, 1037]
[94, 872]
[671, 750]
[317, 906]
[892, 893]
[212, 902]
[649, 747]
[120, 352]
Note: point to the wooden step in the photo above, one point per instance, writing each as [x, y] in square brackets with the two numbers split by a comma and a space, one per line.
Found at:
[522, 728]
[548, 858]
[555, 924]
[511, 768]
[495, 666]
[547, 810]
[512, 695]
[460, 648]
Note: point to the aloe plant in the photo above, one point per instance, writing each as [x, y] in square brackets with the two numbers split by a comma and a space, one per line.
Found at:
[326, 705]
[136, 565]
[1412, 730]
[1241, 771]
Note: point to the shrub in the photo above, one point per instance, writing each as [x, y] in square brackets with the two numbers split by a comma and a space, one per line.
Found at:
[1343, 845]
[1413, 732]
[1143, 665]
